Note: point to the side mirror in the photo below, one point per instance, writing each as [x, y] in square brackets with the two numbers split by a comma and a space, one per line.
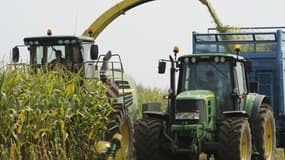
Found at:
[94, 52]
[248, 66]
[15, 54]
[161, 67]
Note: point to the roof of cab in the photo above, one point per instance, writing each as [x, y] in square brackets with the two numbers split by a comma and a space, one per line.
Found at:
[45, 40]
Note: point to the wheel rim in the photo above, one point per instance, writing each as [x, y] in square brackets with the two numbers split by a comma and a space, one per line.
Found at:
[123, 151]
[268, 139]
[244, 145]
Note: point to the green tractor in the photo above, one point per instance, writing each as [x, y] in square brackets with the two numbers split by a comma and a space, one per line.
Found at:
[211, 114]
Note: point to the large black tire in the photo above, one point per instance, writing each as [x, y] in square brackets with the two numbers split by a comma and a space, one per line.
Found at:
[264, 133]
[148, 139]
[235, 139]
[121, 123]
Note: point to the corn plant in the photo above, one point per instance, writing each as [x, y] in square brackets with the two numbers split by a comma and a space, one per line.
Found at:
[54, 115]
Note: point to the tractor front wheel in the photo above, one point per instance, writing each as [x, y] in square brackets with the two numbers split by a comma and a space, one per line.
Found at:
[148, 135]
[235, 139]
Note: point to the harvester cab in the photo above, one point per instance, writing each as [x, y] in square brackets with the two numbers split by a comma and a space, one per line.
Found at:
[209, 111]
[54, 52]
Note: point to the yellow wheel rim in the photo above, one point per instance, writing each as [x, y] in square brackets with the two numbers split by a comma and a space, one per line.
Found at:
[244, 145]
[268, 139]
[123, 151]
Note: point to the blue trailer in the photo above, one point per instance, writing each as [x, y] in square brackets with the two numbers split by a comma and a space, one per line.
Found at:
[265, 47]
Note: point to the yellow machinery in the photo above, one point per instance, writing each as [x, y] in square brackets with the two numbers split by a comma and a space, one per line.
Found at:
[119, 9]
[110, 15]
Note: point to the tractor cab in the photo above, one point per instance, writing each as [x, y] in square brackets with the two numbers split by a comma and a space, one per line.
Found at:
[55, 52]
[221, 74]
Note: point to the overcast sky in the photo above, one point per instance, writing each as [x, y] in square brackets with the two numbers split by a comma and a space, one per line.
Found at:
[142, 36]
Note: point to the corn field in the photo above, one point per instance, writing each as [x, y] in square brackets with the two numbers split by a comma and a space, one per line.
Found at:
[48, 116]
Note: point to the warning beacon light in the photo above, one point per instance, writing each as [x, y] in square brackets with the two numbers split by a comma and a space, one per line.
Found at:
[237, 47]
[49, 32]
[90, 32]
[175, 50]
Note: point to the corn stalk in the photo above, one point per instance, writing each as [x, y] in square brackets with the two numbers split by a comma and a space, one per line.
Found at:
[48, 116]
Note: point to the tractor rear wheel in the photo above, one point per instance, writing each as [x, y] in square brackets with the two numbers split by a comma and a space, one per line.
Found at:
[264, 133]
[148, 133]
[235, 139]
[121, 123]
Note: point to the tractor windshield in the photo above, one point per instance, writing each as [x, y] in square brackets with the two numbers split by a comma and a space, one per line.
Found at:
[205, 75]
[57, 56]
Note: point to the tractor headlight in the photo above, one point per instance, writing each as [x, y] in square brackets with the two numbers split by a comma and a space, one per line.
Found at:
[187, 116]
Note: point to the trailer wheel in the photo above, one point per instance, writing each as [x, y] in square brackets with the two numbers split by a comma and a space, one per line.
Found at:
[235, 139]
[121, 123]
[148, 133]
[264, 133]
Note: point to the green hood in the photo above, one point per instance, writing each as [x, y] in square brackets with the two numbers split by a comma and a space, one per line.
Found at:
[195, 94]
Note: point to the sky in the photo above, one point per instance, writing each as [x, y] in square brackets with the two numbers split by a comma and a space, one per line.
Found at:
[142, 36]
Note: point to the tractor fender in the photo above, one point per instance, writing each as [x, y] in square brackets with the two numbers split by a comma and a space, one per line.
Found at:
[157, 115]
[259, 99]
[235, 114]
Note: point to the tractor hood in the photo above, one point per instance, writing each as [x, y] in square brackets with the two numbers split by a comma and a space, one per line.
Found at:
[195, 94]
[195, 107]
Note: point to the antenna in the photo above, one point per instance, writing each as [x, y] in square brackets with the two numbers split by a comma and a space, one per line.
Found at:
[76, 22]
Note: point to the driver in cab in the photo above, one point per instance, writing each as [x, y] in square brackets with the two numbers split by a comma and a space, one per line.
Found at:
[59, 61]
